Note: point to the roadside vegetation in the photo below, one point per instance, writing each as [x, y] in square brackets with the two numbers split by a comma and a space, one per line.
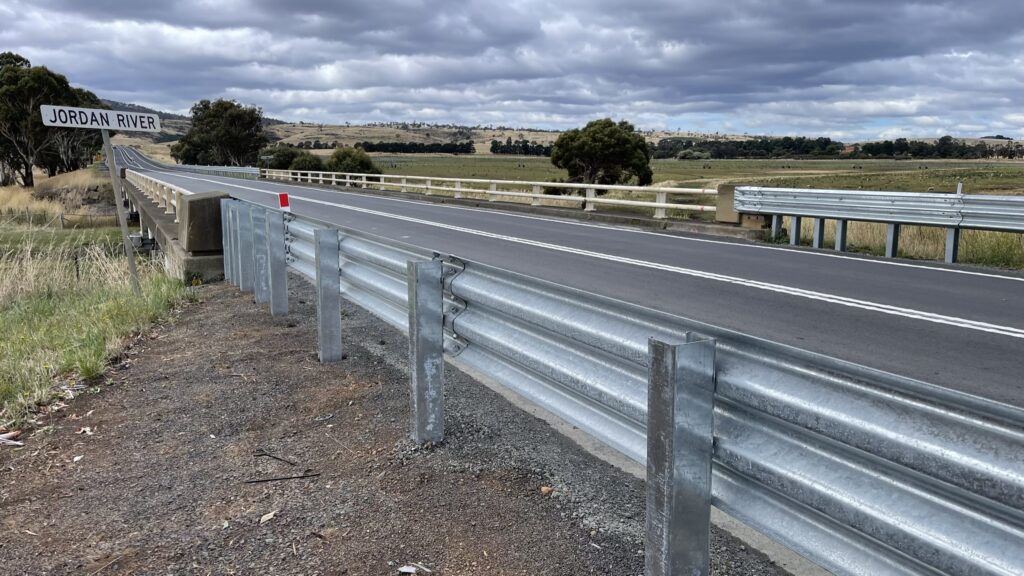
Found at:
[66, 307]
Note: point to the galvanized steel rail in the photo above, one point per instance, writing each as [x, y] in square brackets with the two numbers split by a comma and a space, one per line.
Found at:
[861, 471]
[954, 212]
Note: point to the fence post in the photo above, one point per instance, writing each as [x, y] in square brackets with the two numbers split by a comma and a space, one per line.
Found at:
[776, 226]
[278, 273]
[680, 429]
[660, 198]
[794, 231]
[261, 273]
[225, 246]
[426, 351]
[328, 295]
[818, 240]
[892, 240]
[952, 245]
[245, 248]
[588, 206]
[841, 235]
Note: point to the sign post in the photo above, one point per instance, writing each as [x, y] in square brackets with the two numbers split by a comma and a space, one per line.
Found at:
[104, 120]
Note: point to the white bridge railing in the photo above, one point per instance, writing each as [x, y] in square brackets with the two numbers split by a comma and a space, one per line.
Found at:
[585, 194]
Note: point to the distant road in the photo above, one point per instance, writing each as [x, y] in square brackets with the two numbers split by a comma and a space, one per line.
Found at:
[956, 327]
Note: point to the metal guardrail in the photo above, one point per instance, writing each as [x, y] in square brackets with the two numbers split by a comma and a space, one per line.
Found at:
[497, 189]
[246, 172]
[954, 212]
[861, 471]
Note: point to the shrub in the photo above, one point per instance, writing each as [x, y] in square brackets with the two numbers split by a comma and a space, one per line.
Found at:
[352, 160]
[306, 162]
[283, 156]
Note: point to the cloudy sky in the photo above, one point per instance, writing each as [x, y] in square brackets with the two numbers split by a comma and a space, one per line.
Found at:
[851, 70]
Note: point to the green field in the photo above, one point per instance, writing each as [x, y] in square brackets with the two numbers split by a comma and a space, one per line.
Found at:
[909, 176]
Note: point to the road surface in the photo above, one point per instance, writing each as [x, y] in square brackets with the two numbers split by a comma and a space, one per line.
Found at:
[956, 327]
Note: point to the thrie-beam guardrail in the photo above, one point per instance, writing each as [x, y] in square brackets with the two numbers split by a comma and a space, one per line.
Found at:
[861, 471]
[496, 189]
[954, 212]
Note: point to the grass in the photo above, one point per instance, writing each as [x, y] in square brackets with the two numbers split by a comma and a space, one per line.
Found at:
[66, 307]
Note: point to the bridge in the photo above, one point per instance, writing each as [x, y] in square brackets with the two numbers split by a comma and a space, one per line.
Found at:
[953, 334]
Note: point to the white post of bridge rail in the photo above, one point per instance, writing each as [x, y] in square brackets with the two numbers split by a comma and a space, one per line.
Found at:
[535, 201]
[458, 188]
[660, 198]
[588, 206]
[680, 441]
[328, 295]
[426, 351]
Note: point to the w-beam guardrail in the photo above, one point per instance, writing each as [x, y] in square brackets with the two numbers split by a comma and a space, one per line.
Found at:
[497, 189]
[954, 212]
[861, 471]
[246, 172]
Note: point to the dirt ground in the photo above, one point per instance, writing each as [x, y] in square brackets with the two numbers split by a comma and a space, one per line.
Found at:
[162, 467]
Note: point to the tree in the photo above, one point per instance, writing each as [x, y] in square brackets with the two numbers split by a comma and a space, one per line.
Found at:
[223, 133]
[306, 162]
[282, 157]
[603, 152]
[351, 160]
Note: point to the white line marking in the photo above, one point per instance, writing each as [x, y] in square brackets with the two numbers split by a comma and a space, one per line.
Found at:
[778, 288]
[739, 245]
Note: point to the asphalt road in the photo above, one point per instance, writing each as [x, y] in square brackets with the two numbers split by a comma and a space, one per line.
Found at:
[956, 327]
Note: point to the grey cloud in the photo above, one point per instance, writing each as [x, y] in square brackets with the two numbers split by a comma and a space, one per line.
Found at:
[855, 68]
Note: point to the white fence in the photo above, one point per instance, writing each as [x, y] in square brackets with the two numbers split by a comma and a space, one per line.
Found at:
[585, 194]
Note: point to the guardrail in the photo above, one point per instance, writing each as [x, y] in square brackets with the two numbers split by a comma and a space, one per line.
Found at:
[861, 471]
[954, 212]
[246, 172]
[495, 189]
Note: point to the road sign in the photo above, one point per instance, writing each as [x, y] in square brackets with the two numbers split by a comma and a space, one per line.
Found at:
[71, 117]
[282, 202]
[104, 121]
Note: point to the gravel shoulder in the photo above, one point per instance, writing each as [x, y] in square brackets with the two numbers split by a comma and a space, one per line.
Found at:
[152, 472]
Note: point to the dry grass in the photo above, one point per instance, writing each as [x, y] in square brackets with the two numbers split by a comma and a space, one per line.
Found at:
[65, 308]
[1001, 249]
[79, 179]
[15, 200]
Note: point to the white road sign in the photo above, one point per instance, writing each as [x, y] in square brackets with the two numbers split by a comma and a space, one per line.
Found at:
[69, 117]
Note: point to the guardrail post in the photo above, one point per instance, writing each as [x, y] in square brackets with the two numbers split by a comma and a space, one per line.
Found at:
[225, 234]
[680, 440]
[794, 230]
[588, 206]
[328, 295]
[236, 257]
[278, 273]
[818, 240]
[261, 273]
[952, 245]
[660, 198]
[426, 351]
[892, 240]
[245, 249]
[841, 235]
[776, 226]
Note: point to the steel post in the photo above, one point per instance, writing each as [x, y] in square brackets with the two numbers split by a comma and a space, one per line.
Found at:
[892, 240]
[426, 351]
[794, 230]
[236, 253]
[246, 266]
[776, 226]
[952, 245]
[818, 240]
[261, 272]
[680, 429]
[328, 293]
[224, 244]
[841, 235]
[278, 271]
